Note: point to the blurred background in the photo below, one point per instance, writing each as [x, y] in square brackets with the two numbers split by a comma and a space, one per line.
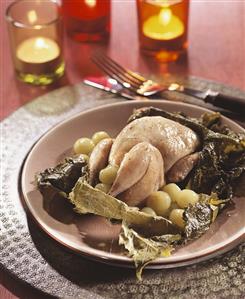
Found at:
[216, 47]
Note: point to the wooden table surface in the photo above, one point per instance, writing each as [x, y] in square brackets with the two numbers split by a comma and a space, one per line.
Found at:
[216, 51]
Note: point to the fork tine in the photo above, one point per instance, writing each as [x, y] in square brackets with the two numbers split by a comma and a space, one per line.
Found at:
[118, 73]
[112, 74]
[105, 69]
[108, 69]
[134, 78]
[129, 73]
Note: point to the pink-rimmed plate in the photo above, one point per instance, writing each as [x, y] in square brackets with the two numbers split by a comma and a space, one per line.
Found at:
[94, 236]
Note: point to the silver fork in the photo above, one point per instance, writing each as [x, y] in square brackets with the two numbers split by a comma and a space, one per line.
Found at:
[129, 79]
[139, 85]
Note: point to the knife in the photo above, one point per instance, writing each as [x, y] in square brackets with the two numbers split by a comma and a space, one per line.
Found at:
[110, 85]
[217, 99]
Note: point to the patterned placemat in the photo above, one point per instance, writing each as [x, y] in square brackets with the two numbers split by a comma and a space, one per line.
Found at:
[30, 255]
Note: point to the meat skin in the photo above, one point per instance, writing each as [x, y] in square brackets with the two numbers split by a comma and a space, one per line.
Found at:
[172, 139]
[151, 181]
[99, 159]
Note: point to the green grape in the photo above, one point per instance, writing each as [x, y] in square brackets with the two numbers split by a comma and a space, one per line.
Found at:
[108, 174]
[149, 211]
[187, 197]
[98, 136]
[176, 216]
[83, 146]
[160, 202]
[172, 190]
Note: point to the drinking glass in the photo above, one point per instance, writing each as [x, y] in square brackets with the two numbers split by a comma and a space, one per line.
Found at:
[163, 26]
[36, 40]
[87, 20]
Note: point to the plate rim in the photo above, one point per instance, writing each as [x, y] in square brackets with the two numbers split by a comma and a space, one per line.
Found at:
[121, 260]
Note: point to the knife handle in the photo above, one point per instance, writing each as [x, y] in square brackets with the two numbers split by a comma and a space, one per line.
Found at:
[227, 102]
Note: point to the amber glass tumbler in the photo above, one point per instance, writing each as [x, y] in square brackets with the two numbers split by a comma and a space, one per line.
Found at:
[87, 20]
[163, 26]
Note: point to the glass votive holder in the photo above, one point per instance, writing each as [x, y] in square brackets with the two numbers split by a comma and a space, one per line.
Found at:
[163, 26]
[87, 20]
[36, 40]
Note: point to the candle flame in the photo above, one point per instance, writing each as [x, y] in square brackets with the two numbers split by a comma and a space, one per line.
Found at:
[90, 3]
[165, 16]
[40, 43]
[32, 16]
[163, 3]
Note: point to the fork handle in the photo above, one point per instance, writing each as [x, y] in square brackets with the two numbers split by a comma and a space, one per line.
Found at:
[227, 102]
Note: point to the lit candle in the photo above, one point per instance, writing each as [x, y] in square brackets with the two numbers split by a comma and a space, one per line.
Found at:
[90, 3]
[38, 50]
[164, 26]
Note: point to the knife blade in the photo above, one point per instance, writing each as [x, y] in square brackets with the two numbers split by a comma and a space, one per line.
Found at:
[111, 85]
